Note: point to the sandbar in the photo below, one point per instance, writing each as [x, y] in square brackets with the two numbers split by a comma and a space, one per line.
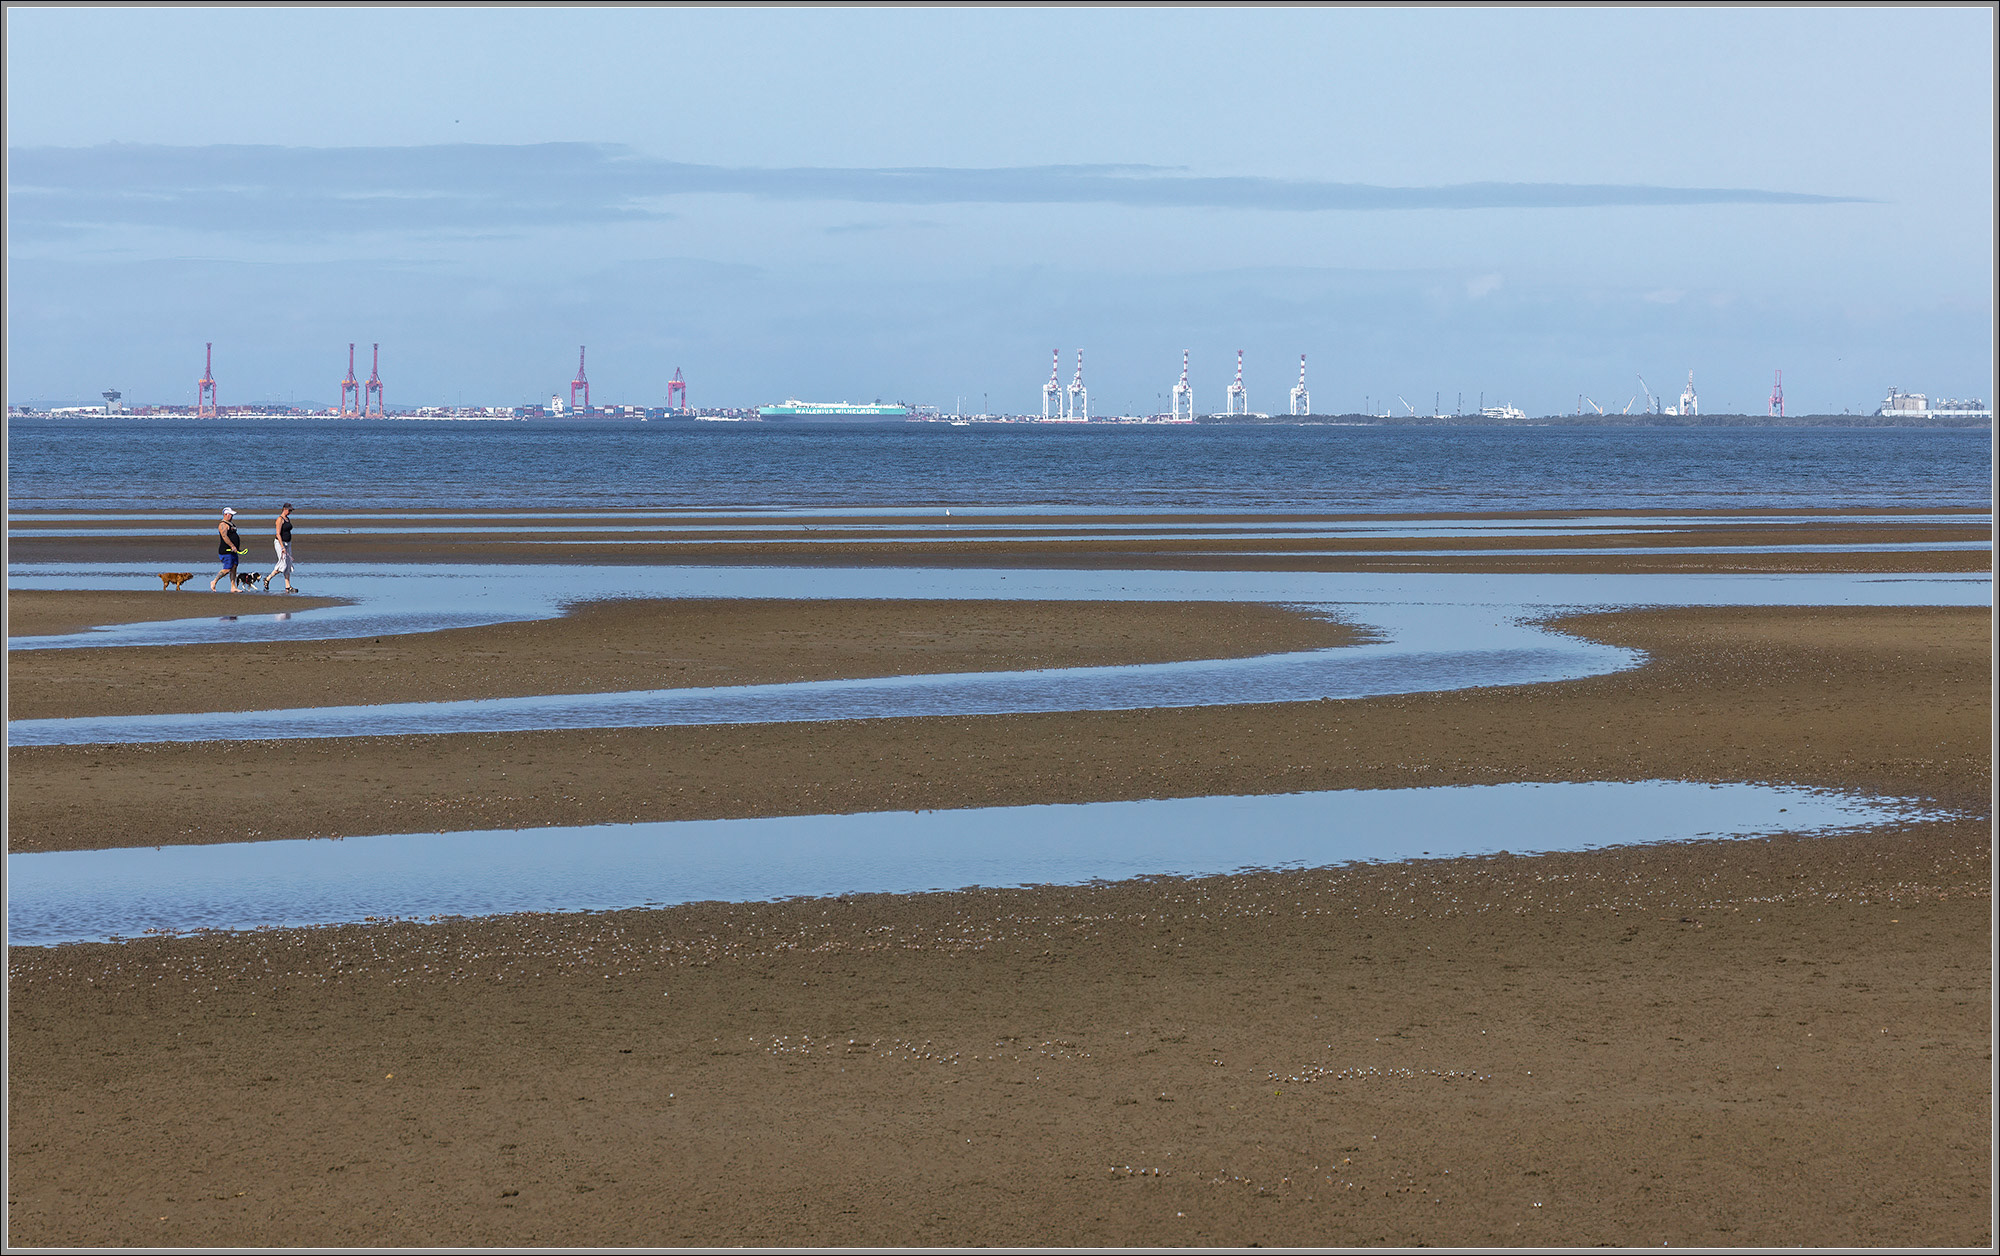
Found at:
[652, 643]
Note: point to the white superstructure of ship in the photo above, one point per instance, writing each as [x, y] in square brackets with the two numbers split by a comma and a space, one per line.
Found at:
[796, 411]
[1902, 405]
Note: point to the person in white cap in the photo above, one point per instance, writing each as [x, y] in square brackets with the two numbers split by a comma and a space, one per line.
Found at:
[281, 539]
[229, 548]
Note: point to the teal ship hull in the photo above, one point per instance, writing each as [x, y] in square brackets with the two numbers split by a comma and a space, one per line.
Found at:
[832, 412]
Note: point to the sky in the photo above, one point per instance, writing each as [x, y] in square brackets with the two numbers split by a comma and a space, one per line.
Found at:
[1436, 207]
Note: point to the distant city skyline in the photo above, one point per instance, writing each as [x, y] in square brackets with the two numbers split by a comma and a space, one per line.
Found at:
[918, 205]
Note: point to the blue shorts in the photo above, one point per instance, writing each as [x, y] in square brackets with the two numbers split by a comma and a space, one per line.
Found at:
[229, 562]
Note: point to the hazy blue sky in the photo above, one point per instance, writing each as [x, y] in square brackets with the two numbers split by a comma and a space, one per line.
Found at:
[920, 205]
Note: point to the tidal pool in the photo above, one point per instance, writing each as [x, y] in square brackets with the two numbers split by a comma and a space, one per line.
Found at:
[99, 895]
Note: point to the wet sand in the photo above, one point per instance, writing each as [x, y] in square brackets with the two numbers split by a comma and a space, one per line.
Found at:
[1772, 1042]
[48, 613]
[612, 646]
[1747, 1044]
[1134, 541]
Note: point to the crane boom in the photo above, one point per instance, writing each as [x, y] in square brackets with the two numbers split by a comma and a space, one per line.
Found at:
[1652, 407]
[1406, 405]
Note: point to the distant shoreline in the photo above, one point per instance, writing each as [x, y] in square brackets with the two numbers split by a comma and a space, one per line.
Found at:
[1618, 422]
[1610, 421]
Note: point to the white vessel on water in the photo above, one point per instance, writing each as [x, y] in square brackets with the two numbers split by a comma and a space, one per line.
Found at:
[1902, 405]
[796, 411]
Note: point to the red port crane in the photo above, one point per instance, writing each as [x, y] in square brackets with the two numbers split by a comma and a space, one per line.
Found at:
[677, 392]
[580, 382]
[204, 388]
[373, 395]
[350, 387]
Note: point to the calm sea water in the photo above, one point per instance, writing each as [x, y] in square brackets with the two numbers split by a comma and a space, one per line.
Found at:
[120, 465]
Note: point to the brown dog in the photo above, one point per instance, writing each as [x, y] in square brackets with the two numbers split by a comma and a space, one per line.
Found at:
[174, 579]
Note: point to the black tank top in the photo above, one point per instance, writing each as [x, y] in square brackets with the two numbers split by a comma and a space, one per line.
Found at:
[229, 544]
[285, 530]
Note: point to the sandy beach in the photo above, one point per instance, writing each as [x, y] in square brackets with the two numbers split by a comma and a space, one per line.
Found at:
[1780, 1042]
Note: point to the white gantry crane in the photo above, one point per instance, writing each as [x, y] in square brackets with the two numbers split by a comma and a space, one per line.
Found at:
[1301, 399]
[1687, 398]
[1079, 396]
[1238, 401]
[1183, 394]
[1052, 395]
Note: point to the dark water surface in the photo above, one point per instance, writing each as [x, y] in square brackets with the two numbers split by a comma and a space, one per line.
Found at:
[128, 464]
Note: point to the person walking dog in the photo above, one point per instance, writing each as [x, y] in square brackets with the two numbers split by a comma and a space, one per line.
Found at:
[281, 540]
[228, 548]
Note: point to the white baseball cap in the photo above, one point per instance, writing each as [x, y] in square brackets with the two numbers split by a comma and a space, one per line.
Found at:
[229, 510]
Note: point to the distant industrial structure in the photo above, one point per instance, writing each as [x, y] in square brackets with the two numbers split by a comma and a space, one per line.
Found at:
[204, 389]
[359, 401]
[371, 407]
[1237, 401]
[1060, 405]
[350, 387]
[580, 382]
[1067, 403]
[1687, 406]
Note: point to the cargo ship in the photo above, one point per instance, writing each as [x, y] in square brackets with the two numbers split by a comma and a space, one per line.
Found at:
[1902, 405]
[796, 411]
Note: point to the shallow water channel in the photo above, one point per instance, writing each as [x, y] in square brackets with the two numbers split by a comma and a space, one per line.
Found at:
[98, 895]
[1426, 632]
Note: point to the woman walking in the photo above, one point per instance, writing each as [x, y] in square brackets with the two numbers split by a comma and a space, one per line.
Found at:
[281, 539]
[228, 548]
